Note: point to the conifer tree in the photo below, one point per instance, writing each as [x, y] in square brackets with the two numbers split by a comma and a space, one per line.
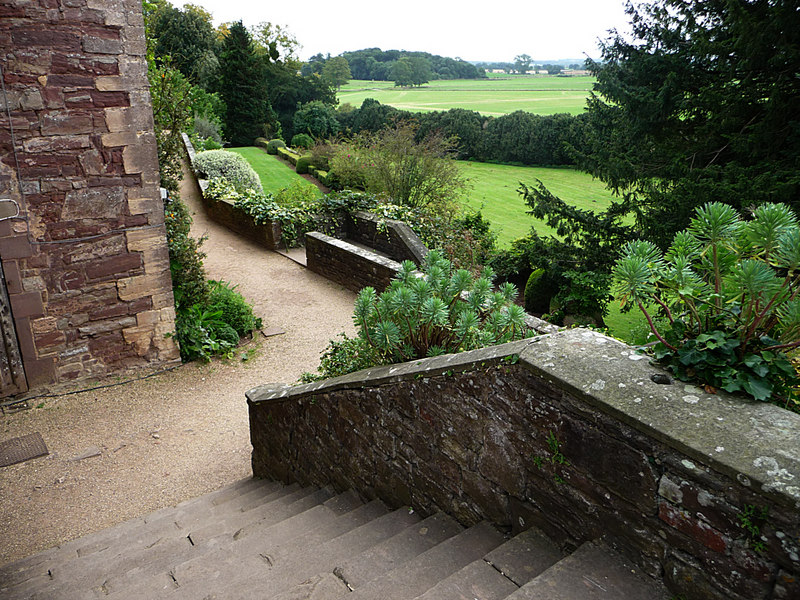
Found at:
[243, 87]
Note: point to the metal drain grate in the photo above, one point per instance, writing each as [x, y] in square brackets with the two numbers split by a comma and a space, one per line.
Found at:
[23, 448]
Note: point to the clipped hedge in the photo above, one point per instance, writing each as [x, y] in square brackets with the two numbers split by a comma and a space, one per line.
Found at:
[273, 145]
[287, 154]
[262, 142]
[302, 165]
[233, 167]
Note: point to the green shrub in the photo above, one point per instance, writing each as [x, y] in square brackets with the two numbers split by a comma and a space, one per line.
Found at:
[302, 140]
[233, 308]
[342, 357]
[287, 154]
[196, 333]
[444, 311]
[227, 334]
[298, 193]
[208, 129]
[185, 257]
[210, 144]
[233, 167]
[537, 293]
[728, 289]
[273, 145]
[302, 165]
[261, 142]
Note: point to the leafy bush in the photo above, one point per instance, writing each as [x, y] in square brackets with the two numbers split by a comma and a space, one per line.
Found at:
[728, 289]
[342, 357]
[261, 142]
[302, 165]
[233, 167]
[210, 144]
[185, 257]
[302, 140]
[288, 155]
[537, 292]
[298, 193]
[315, 119]
[207, 128]
[273, 145]
[196, 331]
[233, 308]
[443, 311]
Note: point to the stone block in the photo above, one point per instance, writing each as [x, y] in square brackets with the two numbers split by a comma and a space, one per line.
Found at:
[126, 138]
[139, 286]
[94, 203]
[28, 304]
[62, 40]
[66, 123]
[113, 265]
[101, 45]
[56, 143]
[141, 157]
[694, 528]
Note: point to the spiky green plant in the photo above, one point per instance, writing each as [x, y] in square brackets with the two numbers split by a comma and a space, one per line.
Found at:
[728, 289]
[437, 311]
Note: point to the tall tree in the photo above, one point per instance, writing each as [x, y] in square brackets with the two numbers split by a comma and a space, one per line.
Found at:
[336, 72]
[420, 70]
[522, 63]
[703, 103]
[243, 87]
[187, 38]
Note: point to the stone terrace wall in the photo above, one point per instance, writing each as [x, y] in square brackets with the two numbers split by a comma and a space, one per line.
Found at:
[397, 241]
[348, 265]
[566, 432]
[86, 262]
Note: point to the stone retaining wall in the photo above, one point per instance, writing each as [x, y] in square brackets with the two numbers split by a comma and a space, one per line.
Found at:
[86, 261]
[394, 238]
[348, 265]
[566, 432]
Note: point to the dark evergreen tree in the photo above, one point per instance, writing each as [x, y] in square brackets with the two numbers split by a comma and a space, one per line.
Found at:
[702, 104]
[243, 86]
[187, 38]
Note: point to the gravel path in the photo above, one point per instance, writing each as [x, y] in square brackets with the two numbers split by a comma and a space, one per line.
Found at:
[173, 436]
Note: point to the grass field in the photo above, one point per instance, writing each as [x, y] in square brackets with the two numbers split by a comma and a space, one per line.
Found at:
[539, 94]
[273, 173]
[494, 192]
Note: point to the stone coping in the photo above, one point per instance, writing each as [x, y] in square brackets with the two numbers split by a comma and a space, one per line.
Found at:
[756, 443]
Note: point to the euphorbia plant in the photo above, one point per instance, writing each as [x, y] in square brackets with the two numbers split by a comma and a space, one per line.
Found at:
[439, 311]
[727, 290]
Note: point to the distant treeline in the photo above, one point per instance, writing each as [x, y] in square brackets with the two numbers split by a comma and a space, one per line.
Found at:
[520, 137]
[376, 64]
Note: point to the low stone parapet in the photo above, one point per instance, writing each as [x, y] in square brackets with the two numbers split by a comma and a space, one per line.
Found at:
[567, 432]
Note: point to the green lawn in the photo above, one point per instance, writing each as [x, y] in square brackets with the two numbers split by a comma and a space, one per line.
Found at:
[274, 174]
[494, 192]
[540, 94]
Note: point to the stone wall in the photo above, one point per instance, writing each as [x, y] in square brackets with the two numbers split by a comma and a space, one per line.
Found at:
[86, 262]
[394, 238]
[568, 433]
[348, 265]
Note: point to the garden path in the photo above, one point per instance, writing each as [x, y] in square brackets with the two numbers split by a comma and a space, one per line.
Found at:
[125, 451]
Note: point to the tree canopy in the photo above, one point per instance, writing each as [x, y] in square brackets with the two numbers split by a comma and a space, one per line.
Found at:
[702, 104]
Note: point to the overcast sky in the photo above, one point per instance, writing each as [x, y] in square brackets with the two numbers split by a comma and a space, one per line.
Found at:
[544, 29]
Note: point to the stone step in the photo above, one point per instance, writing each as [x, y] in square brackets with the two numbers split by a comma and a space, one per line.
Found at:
[524, 556]
[418, 575]
[38, 564]
[204, 561]
[279, 559]
[145, 554]
[501, 572]
[592, 572]
[291, 572]
[358, 570]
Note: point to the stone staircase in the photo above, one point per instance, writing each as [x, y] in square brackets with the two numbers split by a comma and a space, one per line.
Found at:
[262, 540]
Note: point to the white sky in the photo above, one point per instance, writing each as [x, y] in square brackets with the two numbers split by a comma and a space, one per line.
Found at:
[474, 31]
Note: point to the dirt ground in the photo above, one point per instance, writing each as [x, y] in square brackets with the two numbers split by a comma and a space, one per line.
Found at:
[177, 434]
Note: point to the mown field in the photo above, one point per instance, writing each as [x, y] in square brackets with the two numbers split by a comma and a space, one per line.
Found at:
[493, 190]
[539, 94]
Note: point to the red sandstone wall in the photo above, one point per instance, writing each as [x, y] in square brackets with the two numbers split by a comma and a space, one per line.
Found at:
[86, 262]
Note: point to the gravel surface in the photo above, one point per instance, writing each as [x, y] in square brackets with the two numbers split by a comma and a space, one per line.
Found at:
[177, 434]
